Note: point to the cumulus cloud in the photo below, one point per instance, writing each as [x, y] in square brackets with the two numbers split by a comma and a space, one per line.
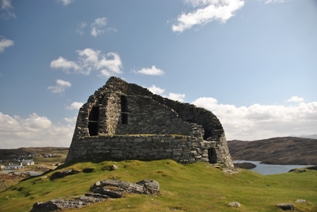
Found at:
[65, 65]
[90, 60]
[150, 71]
[156, 90]
[71, 120]
[6, 9]
[75, 106]
[5, 43]
[263, 121]
[205, 12]
[160, 91]
[66, 2]
[295, 99]
[60, 86]
[98, 26]
[176, 97]
[33, 131]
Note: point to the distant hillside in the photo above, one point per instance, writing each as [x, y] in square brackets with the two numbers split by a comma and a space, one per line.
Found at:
[281, 150]
[6, 154]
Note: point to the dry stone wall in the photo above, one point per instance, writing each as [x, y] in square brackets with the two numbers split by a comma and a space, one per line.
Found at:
[126, 121]
[184, 149]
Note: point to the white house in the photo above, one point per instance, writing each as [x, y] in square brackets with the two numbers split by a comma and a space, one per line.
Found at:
[2, 167]
[27, 162]
[12, 166]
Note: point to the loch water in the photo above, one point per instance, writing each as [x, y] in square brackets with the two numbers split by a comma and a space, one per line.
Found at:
[267, 169]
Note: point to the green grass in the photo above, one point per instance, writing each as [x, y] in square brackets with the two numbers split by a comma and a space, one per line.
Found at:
[192, 187]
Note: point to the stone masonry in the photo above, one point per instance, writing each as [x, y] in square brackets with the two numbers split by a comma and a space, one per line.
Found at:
[124, 121]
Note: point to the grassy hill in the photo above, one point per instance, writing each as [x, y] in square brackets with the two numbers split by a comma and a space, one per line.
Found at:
[281, 150]
[6, 154]
[191, 187]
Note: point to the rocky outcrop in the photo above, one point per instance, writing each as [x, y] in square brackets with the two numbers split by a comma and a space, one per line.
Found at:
[64, 173]
[123, 121]
[286, 206]
[99, 192]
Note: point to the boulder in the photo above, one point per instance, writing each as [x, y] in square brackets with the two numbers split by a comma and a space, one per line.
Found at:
[150, 186]
[234, 204]
[58, 204]
[64, 173]
[286, 206]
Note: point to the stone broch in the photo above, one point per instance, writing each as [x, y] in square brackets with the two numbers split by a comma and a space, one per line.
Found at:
[124, 121]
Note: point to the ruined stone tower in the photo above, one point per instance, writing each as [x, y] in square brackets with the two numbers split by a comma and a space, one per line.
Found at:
[123, 121]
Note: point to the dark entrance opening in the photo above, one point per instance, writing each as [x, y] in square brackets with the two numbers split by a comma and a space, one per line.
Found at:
[212, 156]
[94, 114]
[93, 121]
[93, 128]
[124, 118]
[124, 104]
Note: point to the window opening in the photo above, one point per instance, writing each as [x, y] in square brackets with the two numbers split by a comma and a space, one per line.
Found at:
[124, 104]
[93, 121]
[94, 114]
[124, 118]
[93, 128]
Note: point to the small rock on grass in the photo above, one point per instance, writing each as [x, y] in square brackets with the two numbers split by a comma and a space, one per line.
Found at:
[234, 204]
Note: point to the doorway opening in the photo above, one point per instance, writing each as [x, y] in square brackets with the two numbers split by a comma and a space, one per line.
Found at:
[212, 155]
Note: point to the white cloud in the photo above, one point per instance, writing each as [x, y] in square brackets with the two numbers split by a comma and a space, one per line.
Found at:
[66, 2]
[273, 1]
[90, 60]
[60, 86]
[5, 43]
[107, 64]
[71, 120]
[75, 106]
[156, 90]
[81, 27]
[150, 71]
[295, 99]
[263, 121]
[6, 7]
[65, 65]
[98, 26]
[208, 11]
[35, 131]
[176, 97]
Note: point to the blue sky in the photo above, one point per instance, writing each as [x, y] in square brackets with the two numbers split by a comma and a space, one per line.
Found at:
[251, 62]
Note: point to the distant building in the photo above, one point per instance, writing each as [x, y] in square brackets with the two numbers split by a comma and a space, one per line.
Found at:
[12, 166]
[2, 167]
[27, 162]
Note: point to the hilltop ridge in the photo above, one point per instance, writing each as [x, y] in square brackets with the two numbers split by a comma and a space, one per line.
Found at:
[279, 150]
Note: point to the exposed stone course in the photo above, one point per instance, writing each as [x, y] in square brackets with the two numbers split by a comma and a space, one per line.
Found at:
[125, 121]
